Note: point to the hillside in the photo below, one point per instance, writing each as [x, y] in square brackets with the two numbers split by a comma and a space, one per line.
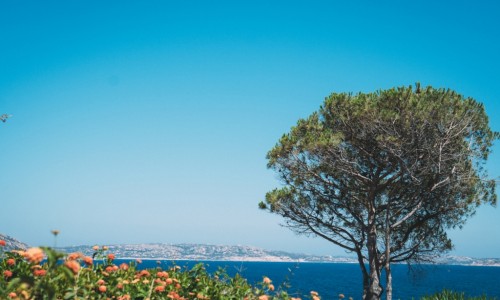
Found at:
[202, 252]
[12, 243]
[206, 252]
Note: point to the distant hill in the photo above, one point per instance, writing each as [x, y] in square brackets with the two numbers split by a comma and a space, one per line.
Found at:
[203, 252]
[206, 252]
[12, 243]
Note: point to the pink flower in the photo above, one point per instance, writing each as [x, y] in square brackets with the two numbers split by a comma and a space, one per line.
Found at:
[73, 266]
[34, 255]
[7, 273]
[159, 288]
[39, 272]
[88, 260]
[111, 256]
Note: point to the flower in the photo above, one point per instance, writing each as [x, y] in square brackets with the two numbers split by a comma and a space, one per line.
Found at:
[95, 248]
[7, 273]
[34, 255]
[160, 289]
[105, 248]
[73, 265]
[102, 288]
[11, 261]
[55, 232]
[341, 296]
[266, 280]
[101, 282]
[124, 266]
[12, 295]
[74, 256]
[39, 272]
[88, 260]
[111, 256]
[3, 243]
[270, 287]
[263, 297]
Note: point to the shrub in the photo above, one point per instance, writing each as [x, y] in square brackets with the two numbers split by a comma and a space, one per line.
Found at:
[43, 273]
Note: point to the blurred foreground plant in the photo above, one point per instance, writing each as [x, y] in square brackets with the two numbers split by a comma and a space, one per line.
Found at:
[43, 273]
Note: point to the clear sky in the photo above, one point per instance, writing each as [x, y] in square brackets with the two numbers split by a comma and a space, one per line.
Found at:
[149, 121]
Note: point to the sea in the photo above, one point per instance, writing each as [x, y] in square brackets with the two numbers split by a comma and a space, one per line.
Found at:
[332, 279]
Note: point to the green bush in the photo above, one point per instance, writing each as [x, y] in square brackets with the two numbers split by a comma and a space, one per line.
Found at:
[42, 273]
[450, 295]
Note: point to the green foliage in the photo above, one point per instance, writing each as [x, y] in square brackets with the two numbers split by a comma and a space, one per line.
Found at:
[450, 295]
[23, 275]
[384, 174]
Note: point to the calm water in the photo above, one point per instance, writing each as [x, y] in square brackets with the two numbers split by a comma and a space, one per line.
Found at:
[332, 279]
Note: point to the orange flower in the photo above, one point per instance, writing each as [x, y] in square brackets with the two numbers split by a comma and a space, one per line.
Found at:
[3, 243]
[124, 297]
[111, 256]
[263, 297]
[139, 261]
[101, 282]
[12, 295]
[173, 295]
[39, 272]
[169, 281]
[109, 269]
[11, 261]
[73, 266]
[74, 256]
[270, 287]
[266, 280]
[7, 273]
[119, 286]
[102, 288]
[105, 248]
[160, 289]
[88, 260]
[124, 266]
[34, 255]
[95, 248]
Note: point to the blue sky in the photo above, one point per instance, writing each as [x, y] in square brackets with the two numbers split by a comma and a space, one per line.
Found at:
[149, 121]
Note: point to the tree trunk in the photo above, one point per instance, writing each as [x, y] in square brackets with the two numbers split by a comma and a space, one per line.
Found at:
[388, 285]
[388, 274]
[366, 277]
[375, 289]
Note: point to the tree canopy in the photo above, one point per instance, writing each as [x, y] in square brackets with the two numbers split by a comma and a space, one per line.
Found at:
[384, 174]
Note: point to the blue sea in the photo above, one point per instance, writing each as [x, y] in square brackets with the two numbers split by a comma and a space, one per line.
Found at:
[332, 279]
